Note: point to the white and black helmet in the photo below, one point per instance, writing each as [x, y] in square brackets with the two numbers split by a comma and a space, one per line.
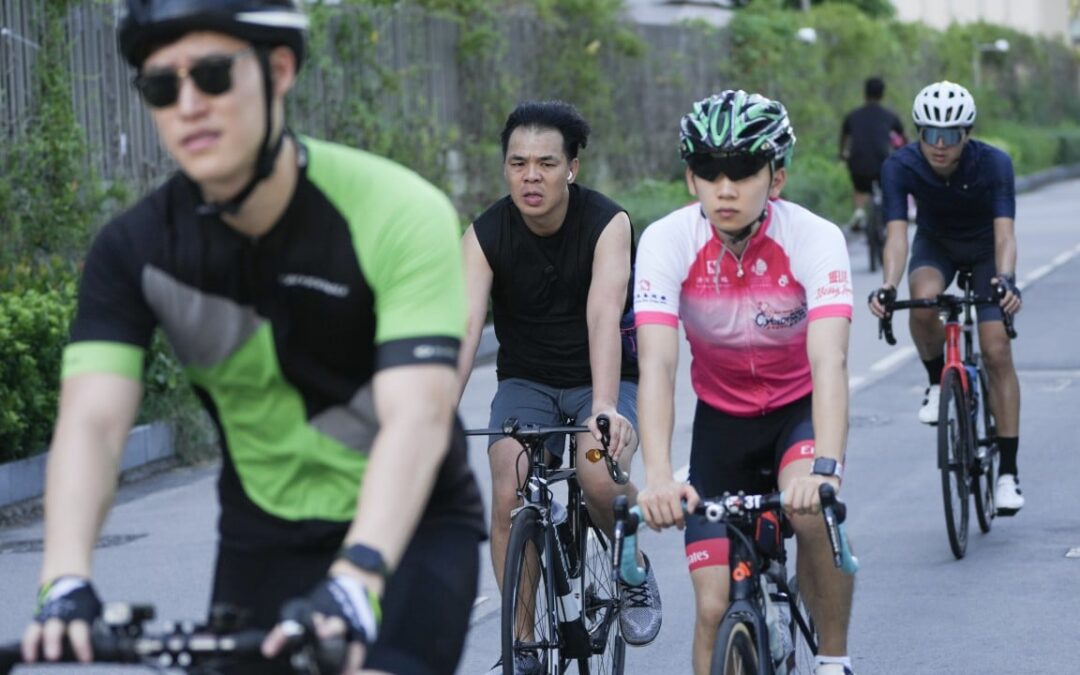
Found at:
[943, 104]
[266, 22]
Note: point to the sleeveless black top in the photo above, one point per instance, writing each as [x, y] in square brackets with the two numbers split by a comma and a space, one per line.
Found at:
[541, 288]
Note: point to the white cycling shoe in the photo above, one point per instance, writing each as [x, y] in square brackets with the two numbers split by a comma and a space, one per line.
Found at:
[928, 412]
[1007, 497]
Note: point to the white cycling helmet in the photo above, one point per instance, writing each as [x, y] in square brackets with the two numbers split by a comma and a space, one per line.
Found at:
[943, 104]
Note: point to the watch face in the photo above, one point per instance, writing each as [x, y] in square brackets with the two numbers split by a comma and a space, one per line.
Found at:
[365, 558]
[825, 466]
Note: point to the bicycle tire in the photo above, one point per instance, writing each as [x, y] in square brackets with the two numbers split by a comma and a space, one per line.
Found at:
[600, 603]
[735, 651]
[804, 651]
[875, 237]
[954, 444]
[986, 462]
[534, 631]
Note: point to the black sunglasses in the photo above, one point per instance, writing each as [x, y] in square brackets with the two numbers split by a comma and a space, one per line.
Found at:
[736, 166]
[949, 136]
[212, 75]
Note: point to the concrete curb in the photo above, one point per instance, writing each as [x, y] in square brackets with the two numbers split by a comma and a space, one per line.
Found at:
[1040, 179]
[25, 479]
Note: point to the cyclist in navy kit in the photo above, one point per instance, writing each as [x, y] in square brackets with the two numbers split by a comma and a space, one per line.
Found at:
[964, 190]
[314, 296]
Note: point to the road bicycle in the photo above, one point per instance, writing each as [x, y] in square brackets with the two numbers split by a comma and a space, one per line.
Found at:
[766, 629]
[967, 432]
[559, 603]
[122, 636]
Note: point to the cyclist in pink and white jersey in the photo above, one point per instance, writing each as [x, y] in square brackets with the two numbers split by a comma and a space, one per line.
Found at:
[763, 289]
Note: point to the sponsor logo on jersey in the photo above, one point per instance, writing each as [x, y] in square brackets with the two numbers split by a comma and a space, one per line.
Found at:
[698, 556]
[317, 284]
[770, 319]
[429, 352]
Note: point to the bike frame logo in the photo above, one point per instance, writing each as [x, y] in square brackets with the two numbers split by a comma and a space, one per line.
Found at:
[742, 571]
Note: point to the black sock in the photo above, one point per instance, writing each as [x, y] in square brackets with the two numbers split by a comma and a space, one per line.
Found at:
[934, 367]
[1007, 449]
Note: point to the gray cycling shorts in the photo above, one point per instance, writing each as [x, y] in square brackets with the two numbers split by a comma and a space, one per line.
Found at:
[534, 403]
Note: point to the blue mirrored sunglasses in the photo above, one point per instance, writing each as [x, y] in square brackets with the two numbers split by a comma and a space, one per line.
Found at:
[950, 136]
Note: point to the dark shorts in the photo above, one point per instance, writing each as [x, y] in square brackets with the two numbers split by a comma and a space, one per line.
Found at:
[729, 453]
[862, 182]
[534, 403]
[426, 606]
[948, 255]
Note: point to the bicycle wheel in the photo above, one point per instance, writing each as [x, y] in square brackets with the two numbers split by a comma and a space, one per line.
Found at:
[600, 604]
[985, 464]
[954, 442]
[805, 650]
[528, 601]
[875, 236]
[735, 651]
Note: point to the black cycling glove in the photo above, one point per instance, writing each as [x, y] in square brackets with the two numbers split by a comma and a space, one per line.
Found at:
[885, 295]
[68, 599]
[345, 597]
[1008, 282]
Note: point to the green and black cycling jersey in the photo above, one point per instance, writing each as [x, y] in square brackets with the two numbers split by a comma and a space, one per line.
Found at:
[282, 334]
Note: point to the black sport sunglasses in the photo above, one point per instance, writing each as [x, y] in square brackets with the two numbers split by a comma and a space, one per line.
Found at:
[212, 75]
[736, 166]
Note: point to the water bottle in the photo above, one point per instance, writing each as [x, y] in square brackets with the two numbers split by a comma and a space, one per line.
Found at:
[778, 621]
[566, 537]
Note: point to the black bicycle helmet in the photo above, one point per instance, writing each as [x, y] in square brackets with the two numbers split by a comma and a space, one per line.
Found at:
[261, 22]
[735, 121]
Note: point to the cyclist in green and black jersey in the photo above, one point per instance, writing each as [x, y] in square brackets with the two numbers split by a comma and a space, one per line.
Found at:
[314, 296]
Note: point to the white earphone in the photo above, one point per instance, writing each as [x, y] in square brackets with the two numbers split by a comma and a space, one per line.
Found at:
[570, 176]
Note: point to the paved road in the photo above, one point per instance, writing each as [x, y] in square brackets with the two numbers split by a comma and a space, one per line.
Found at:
[1008, 608]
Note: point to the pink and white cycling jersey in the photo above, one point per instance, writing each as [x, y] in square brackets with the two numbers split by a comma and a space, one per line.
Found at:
[745, 318]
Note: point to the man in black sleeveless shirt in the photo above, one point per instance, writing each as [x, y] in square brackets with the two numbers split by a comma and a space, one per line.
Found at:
[555, 258]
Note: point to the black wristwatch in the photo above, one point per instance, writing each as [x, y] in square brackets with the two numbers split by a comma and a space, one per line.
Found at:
[366, 558]
[827, 466]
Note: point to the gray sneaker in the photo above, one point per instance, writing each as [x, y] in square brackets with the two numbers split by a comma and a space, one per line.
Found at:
[641, 615]
[525, 663]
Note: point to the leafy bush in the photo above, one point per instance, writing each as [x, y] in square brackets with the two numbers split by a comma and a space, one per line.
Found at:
[33, 330]
[650, 200]
[37, 303]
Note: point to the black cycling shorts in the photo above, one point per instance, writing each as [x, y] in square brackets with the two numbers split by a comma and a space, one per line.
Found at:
[949, 255]
[863, 182]
[729, 454]
[426, 606]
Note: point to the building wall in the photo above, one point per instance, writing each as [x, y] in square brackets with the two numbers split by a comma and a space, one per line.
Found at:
[1040, 17]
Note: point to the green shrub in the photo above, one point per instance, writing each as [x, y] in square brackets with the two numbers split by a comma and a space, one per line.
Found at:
[821, 184]
[650, 200]
[37, 303]
[33, 330]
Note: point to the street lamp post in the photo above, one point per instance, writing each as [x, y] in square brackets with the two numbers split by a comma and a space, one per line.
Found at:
[1001, 45]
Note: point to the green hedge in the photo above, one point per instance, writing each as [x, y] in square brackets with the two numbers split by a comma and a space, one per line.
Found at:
[37, 302]
[33, 330]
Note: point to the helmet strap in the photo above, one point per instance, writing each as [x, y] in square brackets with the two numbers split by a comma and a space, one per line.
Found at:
[268, 154]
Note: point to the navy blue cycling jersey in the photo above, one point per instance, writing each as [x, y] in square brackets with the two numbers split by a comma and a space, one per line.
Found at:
[962, 206]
